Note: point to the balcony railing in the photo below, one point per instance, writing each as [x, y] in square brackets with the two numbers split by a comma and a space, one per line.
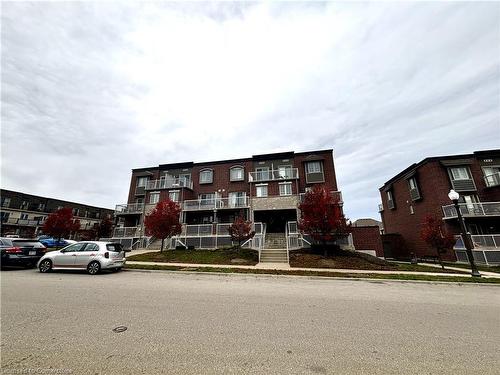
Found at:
[126, 232]
[274, 175]
[472, 209]
[492, 179]
[24, 222]
[132, 208]
[215, 203]
[169, 183]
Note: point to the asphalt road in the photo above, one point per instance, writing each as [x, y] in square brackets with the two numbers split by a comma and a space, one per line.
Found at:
[196, 323]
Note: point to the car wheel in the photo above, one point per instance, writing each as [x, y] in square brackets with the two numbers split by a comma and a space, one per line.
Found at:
[118, 269]
[93, 268]
[45, 266]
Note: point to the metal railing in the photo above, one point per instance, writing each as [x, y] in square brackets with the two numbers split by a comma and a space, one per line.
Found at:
[169, 183]
[274, 175]
[127, 232]
[486, 249]
[131, 208]
[216, 203]
[480, 241]
[472, 209]
[492, 179]
[24, 222]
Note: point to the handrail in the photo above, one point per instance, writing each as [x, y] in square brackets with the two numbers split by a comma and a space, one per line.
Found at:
[169, 182]
[472, 209]
[274, 175]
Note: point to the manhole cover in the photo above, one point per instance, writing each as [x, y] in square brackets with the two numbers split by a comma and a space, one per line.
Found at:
[119, 329]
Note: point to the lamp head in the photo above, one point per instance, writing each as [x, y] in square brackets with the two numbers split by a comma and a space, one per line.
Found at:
[453, 195]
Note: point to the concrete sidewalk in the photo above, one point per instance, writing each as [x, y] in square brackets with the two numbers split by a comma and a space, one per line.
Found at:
[286, 267]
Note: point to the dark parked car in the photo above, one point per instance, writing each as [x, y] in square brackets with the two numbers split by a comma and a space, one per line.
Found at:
[21, 252]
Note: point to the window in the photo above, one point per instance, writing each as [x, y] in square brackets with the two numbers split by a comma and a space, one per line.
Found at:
[24, 205]
[41, 206]
[285, 171]
[236, 174]
[74, 247]
[414, 192]
[286, 189]
[261, 173]
[24, 216]
[76, 212]
[90, 247]
[261, 191]
[154, 198]
[207, 198]
[460, 173]
[206, 176]
[390, 200]
[492, 175]
[142, 181]
[6, 202]
[185, 179]
[313, 167]
[237, 199]
[5, 216]
[174, 195]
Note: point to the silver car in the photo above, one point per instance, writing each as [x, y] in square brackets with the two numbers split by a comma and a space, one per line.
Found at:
[92, 256]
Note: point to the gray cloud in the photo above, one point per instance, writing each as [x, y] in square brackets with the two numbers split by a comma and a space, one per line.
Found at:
[91, 90]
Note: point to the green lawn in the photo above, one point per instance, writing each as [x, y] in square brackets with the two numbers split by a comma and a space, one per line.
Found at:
[456, 279]
[219, 256]
[479, 267]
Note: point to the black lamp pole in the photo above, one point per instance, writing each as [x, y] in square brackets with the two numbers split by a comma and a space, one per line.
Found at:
[467, 241]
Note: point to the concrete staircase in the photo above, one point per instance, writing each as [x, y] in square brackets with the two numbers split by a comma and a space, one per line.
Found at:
[274, 249]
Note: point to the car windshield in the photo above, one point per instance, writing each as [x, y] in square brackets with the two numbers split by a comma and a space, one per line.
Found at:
[114, 247]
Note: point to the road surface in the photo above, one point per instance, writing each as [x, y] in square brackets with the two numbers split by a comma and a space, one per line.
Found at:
[209, 324]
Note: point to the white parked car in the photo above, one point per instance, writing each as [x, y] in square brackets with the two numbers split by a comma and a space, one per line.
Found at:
[92, 256]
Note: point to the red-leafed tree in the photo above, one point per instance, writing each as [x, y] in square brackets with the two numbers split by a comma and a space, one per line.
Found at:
[322, 217]
[60, 223]
[104, 228]
[163, 221]
[435, 236]
[240, 230]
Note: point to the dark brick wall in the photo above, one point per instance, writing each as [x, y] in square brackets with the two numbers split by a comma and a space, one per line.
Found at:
[368, 238]
[434, 185]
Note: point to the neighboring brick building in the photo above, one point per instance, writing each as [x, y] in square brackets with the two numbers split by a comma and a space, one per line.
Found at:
[423, 188]
[24, 214]
[266, 189]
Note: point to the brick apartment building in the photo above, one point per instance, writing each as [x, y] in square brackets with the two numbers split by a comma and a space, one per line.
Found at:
[423, 188]
[266, 189]
[24, 214]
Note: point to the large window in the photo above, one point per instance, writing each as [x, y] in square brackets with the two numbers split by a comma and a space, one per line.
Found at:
[6, 202]
[460, 173]
[236, 174]
[154, 198]
[142, 181]
[414, 192]
[206, 176]
[174, 195]
[286, 188]
[492, 175]
[261, 191]
[285, 171]
[237, 199]
[313, 167]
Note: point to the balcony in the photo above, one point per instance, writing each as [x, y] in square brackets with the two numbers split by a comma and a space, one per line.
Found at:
[492, 179]
[486, 209]
[126, 232]
[23, 222]
[486, 249]
[274, 175]
[215, 204]
[169, 183]
[133, 208]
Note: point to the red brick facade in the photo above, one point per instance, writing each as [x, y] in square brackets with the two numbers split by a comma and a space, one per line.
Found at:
[434, 184]
[368, 238]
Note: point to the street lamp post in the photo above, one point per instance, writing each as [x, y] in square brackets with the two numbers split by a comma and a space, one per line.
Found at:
[453, 195]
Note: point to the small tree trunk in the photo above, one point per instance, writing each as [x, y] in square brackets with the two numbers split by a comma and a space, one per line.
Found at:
[440, 260]
[161, 248]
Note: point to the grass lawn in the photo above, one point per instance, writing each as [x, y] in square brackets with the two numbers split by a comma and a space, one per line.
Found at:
[218, 256]
[351, 260]
[456, 279]
[479, 267]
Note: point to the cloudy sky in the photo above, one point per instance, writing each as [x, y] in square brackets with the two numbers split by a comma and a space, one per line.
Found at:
[90, 91]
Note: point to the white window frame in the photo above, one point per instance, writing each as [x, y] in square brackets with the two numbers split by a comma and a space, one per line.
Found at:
[257, 189]
[460, 176]
[154, 194]
[282, 171]
[412, 183]
[23, 216]
[283, 187]
[310, 170]
[236, 168]
[259, 172]
[176, 194]
[142, 178]
[234, 198]
[205, 171]
[389, 196]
